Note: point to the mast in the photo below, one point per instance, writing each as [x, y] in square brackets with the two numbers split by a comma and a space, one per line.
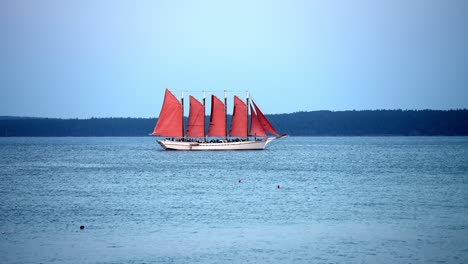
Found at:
[204, 111]
[183, 125]
[225, 112]
[247, 126]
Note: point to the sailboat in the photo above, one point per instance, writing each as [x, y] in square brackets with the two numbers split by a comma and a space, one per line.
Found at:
[170, 125]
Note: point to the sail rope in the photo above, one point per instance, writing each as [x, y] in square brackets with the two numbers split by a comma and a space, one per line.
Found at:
[213, 91]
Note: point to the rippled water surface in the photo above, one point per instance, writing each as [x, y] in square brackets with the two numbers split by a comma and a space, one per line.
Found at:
[341, 200]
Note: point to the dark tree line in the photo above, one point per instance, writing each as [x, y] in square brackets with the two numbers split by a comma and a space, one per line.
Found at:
[315, 123]
[51, 127]
[374, 123]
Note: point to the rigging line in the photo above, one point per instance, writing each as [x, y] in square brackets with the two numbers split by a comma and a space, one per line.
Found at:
[214, 91]
[274, 124]
[211, 91]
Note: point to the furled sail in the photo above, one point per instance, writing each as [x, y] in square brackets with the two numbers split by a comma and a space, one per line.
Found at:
[217, 119]
[196, 121]
[239, 119]
[170, 119]
[256, 129]
[264, 121]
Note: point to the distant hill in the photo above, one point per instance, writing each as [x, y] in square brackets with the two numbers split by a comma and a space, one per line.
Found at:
[374, 123]
[13, 117]
[315, 123]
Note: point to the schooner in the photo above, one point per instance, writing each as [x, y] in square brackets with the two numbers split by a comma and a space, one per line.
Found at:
[170, 124]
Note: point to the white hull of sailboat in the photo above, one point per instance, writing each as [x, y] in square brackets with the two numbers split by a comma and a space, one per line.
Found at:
[241, 145]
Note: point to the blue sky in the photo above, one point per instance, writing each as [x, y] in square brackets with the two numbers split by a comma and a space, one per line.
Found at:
[115, 58]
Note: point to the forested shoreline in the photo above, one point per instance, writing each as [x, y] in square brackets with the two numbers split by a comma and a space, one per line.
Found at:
[313, 123]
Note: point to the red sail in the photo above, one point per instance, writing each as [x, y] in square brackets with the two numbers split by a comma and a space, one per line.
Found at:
[264, 121]
[239, 119]
[217, 119]
[196, 121]
[170, 119]
[256, 128]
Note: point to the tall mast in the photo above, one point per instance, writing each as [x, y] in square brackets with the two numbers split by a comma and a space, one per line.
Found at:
[183, 126]
[225, 111]
[204, 109]
[247, 115]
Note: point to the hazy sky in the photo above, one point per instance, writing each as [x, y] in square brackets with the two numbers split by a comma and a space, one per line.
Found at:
[115, 58]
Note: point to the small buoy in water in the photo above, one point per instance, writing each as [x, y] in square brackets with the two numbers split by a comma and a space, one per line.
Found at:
[82, 227]
[315, 187]
[239, 181]
[278, 186]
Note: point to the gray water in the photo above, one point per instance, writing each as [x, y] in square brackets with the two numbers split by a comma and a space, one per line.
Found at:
[341, 200]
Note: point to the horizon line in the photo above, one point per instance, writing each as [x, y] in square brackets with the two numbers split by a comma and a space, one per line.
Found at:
[4, 117]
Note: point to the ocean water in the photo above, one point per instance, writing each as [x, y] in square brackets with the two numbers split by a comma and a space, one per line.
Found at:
[341, 200]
